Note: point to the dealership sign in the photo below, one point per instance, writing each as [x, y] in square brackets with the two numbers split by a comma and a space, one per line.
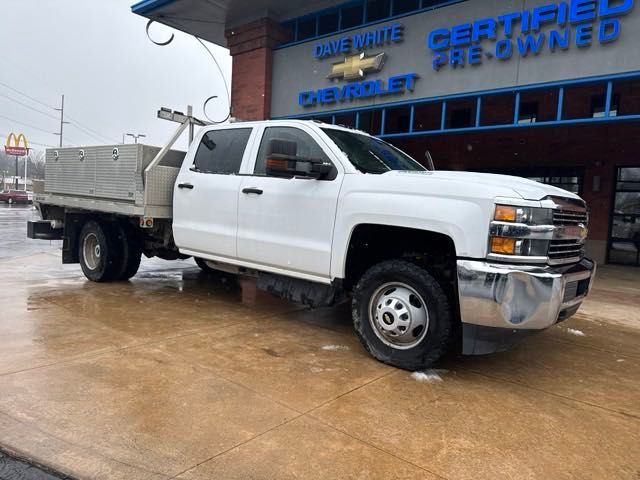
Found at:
[575, 23]
[16, 145]
[356, 65]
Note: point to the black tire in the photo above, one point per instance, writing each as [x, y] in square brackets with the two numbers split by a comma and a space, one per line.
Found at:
[10, 201]
[107, 265]
[439, 332]
[131, 247]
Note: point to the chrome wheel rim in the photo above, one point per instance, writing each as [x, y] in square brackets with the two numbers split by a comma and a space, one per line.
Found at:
[398, 315]
[91, 251]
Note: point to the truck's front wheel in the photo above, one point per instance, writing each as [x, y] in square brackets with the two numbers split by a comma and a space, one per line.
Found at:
[99, 253]
[402, 315]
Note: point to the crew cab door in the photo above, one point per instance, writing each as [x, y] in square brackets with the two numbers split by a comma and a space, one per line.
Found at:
[205, 200]
[286, 224]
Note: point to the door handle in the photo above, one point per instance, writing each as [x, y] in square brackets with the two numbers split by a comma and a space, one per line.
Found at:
[257, 191]
[185, 185]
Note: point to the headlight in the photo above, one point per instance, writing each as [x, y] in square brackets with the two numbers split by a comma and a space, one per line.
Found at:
[526, 215]
[519, 246]
[521, 231]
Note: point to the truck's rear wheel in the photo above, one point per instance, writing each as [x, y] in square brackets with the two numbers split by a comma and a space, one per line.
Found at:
[99, 252]
[402, 315]
[131, 248]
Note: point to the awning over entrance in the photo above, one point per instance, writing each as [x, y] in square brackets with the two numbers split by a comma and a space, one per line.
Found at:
[208, 19]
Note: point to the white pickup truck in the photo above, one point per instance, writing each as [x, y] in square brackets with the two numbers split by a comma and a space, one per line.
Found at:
[433, 261]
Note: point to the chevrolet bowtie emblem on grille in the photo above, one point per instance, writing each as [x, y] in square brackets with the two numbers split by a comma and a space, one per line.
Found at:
[357, 66]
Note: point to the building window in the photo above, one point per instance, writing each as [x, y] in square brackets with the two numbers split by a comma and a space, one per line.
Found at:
[221, 151]
[289, 29]
[569, 179]
[405, 6]
[328, 22]
[306, 28]
[460, 118]
[630, 91]
[351, 16]
[371, 121]
[427, 116]
[624, 243]
[528, 112]
[397, 120]
[324, 119]
[378, 9]
[568, 183]
[346, 120]
[599, 106]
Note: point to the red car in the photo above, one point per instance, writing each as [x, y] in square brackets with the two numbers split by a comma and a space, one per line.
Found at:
[14, 196]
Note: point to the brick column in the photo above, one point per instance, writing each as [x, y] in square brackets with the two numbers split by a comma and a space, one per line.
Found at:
[251, 47]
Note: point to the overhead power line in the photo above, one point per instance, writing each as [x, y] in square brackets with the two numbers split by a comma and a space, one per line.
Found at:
[28, 106]
[88, 132]
[80, 125]
[26, 95]
[27, 125]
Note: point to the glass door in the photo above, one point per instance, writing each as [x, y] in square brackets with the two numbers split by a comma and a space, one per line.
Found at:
[624, 239]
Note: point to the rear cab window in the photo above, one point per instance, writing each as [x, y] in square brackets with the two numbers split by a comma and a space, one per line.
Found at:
[221, 151]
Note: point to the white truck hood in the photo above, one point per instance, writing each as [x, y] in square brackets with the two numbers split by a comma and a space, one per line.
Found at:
[527, 189]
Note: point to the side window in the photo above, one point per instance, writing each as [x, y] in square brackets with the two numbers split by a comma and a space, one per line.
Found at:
[305, 146]
[221, 151]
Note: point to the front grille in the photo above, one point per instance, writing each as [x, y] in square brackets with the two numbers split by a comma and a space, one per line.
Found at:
[569, 217]
[565, 249]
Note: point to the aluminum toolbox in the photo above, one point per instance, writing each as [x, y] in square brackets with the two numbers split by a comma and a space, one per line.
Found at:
[111, 178]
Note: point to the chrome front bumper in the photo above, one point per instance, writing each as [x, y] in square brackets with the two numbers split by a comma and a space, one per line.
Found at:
[521, 297]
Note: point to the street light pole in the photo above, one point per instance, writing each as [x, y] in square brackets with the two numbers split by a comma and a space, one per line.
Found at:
[135, 137]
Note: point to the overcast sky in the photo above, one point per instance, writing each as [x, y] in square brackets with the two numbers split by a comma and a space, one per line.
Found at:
[114, 79]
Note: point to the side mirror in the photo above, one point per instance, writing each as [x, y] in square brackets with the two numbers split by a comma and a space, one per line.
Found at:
[283, 161]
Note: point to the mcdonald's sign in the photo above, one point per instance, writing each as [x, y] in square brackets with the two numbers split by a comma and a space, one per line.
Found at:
[13, 145]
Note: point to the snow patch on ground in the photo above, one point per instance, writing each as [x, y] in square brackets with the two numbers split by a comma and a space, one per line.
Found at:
[428, 376]
[335, 348]
[577, 333]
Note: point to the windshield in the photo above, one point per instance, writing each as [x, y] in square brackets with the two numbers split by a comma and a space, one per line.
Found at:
[370, 154]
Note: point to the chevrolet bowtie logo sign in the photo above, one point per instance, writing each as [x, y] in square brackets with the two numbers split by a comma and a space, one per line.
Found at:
[16, 149]
[357, 66]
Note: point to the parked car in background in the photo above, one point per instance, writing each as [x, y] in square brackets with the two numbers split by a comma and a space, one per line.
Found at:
[16, 196]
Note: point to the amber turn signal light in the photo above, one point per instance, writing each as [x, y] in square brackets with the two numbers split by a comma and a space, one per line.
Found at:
[505, 213]
[503, 246]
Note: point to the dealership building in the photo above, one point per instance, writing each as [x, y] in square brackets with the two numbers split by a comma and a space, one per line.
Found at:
[548, 90]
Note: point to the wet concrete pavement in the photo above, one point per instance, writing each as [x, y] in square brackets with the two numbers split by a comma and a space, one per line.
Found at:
[176, 375]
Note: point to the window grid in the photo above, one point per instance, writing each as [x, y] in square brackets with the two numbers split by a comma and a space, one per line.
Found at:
[612, 104]
[345, 23]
